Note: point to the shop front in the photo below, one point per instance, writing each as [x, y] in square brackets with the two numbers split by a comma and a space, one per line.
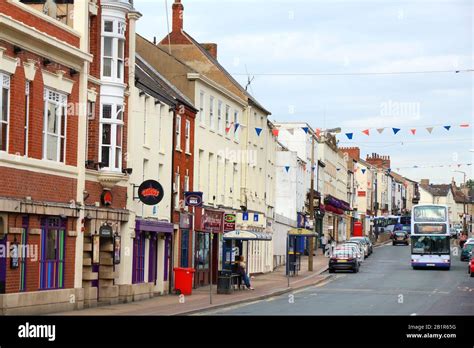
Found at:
[209, 227]
[337, 220]
[152, 257]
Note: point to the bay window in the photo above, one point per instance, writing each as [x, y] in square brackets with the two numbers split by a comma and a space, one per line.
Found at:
[55, 125]
[113, 49]
[5, 111]
[111, 130]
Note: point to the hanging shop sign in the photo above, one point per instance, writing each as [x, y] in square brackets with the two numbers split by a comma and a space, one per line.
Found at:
[106, 231]
[117, 246]
[193, 199]
[106, 198]
[185, 221]
[229, 222]
[150, 192]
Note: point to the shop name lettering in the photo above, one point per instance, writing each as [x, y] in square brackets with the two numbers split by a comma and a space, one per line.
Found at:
[150, 192]
[212, 221]
[37, 331]
[12, 250]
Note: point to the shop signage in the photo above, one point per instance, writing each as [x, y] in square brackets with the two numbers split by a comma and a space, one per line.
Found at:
[229, 222]
[361, 193]
[106, 198]
[193, 199]
[106, 231]
[212, 220]
[150, 192]
[301, 219]
[117, 246]
[185, 221]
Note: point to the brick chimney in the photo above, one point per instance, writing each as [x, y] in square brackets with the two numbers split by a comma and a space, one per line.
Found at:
[178, 14]
[352, 152]
[211, 48]
[382, 162]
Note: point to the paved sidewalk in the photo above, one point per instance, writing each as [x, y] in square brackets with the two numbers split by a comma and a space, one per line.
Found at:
[266, 285]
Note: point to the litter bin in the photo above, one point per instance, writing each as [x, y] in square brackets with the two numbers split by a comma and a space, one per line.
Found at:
[183, 280]
[224, 280]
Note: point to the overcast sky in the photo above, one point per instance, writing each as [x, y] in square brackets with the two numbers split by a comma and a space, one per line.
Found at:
[304, 37]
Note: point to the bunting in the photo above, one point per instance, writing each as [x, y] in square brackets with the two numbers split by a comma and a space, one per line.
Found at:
[447, 128]
[236, 126]
[363, 170]
[276, 132]
[258, 130]
[306, 129]
[429, 129]
[396, 130]
[287, 168]
[413, 131]
[350, 135]
[366, 132]
[380, 130]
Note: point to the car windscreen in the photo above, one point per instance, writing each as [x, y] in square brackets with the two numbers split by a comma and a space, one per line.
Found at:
[400, 234]
[344, 252]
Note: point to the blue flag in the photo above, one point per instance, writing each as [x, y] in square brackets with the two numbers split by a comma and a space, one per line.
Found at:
[396, 130]
[287, 168]
[258, 130]
[306, 129]
[349, 135]
[363, 171]
[236, 126]
[447, 127]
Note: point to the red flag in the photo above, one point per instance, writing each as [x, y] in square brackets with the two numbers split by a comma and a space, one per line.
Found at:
[318, 132]
[366, 132]
[413, 131]
[466, 125]
[276, 132]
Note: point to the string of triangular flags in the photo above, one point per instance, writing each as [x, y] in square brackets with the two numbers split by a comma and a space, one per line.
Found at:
[457, 165]
[367, 132]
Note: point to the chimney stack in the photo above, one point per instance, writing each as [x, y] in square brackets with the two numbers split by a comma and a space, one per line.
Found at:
[211, 48]
[178, 13]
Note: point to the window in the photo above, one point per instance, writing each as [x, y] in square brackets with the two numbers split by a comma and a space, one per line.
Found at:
[186, 182]
[227, 119]
[138, 275]
[188, 136]
[55, 125]
[111, 129]
[219, 116]
[184, 248]
[27, 116]
[177, 188]
[236, 122]
[178, 132]
[5, 109]
[202, 117]
[211, 112]
[113, 51]
[52, 257]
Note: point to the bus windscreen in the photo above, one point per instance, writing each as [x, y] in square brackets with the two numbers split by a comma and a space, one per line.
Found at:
[421, 245]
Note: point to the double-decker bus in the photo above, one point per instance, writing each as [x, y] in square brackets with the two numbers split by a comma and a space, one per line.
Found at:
[430, 238]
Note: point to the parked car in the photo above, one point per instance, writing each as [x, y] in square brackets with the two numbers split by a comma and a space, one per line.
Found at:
[470, 268]
[466, 251]
[367, 240]
[353, 247]
[362, 245]
[407, 229]
[400, 237]
[344, 259]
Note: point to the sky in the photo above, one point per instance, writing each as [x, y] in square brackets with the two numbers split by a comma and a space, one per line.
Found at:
[306, 58]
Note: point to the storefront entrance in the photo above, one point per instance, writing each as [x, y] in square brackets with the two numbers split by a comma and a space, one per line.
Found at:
[202, 259]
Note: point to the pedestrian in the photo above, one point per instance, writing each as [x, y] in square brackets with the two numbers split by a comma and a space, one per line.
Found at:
[242, 270]
[323, 243]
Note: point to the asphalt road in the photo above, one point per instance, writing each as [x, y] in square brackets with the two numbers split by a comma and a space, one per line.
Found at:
[385, 285]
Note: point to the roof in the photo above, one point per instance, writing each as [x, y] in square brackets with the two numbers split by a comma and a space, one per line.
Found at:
[252, 100]
[152, 82]
[400, 179]
[437, 190]
[459, 196]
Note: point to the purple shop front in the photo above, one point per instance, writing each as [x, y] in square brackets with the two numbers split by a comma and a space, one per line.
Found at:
[158, 262]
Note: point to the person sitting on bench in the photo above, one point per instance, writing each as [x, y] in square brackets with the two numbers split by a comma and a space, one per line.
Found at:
[241, 269]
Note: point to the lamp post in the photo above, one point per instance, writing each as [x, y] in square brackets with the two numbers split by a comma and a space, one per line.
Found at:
[464, 226]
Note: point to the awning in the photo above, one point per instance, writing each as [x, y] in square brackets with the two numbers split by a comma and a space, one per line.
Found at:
[302, 232]
[246, 235]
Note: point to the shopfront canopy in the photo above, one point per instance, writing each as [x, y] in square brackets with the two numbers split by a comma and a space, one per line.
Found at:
[302, 232]
[246, 235]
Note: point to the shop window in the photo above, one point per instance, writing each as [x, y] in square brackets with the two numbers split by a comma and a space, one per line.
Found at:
[55, 125]
[111, 128]
[202, 251]
[139, 259]
[184, 248]
[5, 111]
[52, 254]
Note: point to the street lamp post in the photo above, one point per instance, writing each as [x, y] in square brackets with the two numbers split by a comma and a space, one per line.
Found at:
[464, 223]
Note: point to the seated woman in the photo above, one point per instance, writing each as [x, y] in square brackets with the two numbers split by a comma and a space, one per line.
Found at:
[241, 269]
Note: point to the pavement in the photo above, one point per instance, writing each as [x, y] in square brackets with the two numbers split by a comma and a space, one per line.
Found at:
[385, 285]
[266, 286]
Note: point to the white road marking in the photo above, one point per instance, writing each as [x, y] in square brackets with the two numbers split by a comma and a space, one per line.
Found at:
[413, 314]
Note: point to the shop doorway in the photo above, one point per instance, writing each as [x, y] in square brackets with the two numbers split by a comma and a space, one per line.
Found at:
[202, 253]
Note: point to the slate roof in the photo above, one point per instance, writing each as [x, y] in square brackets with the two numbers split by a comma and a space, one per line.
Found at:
[437, 190]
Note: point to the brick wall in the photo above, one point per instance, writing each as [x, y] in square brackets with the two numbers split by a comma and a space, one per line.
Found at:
[119, 194]
[36, 22]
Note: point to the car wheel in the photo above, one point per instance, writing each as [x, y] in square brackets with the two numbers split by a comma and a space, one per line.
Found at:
[472, 275]
[331, 270]
[393, 243]
[356, 269]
